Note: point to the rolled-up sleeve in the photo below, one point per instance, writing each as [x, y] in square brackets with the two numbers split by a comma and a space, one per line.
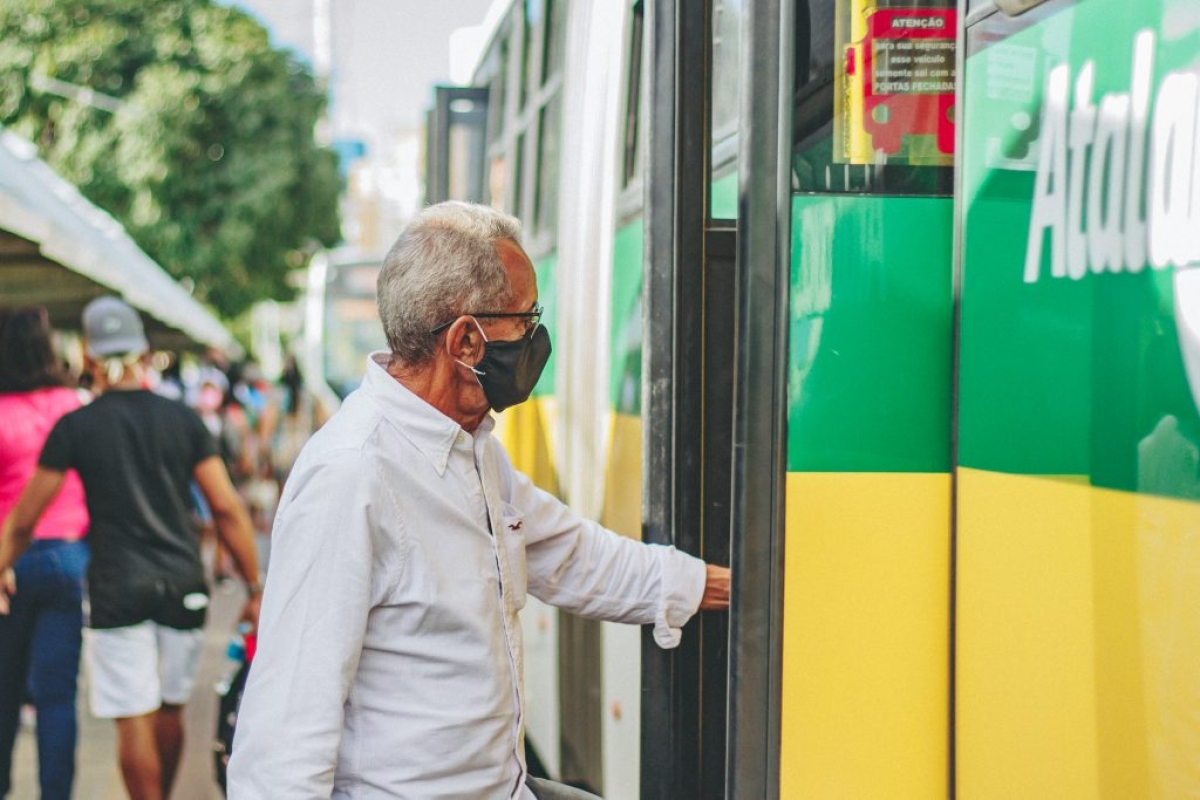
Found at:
[577, 564]
[324, 578]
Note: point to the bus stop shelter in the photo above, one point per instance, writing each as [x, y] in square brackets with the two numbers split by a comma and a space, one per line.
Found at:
[60, 251]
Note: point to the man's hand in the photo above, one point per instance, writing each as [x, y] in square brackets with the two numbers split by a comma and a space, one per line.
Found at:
[716, 589]
[8, 587]
[250, 610]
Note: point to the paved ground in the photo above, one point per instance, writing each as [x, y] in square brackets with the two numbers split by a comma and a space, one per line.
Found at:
[97, 776]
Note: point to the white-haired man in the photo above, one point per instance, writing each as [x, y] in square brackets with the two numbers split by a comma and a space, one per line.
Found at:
[137, 454]
[390, 655]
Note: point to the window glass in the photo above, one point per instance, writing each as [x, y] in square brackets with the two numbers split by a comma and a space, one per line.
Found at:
[497, 181]
[874, 96]
[535, 12]
[518, 178]
[467, 116]
[556, 36]
[726, 33]
[524, 126]
[545, 204]
[529, 19]
[632, 149]
[497, 96]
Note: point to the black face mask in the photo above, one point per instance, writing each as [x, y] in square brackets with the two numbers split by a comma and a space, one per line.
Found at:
[508, 371]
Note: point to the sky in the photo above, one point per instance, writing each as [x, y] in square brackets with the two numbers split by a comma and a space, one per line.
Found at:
[386, 55]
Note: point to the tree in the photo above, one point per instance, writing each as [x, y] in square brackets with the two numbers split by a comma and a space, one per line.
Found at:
[197, 134]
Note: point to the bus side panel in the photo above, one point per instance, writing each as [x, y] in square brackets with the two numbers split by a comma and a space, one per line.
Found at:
[623, 479]
[724, 197]
[866, 624]
[1078, 529]
[622, 512]
[526, 429]
[867, 583]
[1078, 636]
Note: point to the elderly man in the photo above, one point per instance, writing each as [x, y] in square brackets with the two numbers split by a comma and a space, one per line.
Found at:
[390, 654]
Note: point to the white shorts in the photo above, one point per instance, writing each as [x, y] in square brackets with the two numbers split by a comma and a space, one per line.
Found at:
[135, 670]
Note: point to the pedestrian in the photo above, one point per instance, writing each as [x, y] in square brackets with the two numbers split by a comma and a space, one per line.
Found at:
[40, 635]
[136, 453]
[390, 654]
[210, 403]
[301, 415]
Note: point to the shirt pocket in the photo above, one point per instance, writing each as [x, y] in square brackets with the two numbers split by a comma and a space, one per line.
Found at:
[511, 540]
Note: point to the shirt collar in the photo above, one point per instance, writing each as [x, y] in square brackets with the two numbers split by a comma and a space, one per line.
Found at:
[431, 431]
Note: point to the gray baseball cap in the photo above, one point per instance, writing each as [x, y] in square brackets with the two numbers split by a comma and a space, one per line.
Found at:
[111, 327]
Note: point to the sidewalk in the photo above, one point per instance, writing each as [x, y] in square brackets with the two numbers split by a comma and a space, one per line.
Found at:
[97, 776]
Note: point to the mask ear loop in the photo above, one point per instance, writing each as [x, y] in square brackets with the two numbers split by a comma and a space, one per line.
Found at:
[463, 363]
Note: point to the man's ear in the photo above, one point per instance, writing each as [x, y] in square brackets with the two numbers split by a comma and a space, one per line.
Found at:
[465, 341]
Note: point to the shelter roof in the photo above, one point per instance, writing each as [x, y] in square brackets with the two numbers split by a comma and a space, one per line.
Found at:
[58, 250]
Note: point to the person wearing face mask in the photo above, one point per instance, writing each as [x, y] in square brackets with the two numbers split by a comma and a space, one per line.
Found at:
[389, 659]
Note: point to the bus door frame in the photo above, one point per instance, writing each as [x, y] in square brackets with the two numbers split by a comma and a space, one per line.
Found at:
[760, 397]
[715, 389]
[688, 325]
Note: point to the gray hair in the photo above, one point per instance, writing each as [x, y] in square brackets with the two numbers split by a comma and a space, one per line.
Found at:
[443, 265]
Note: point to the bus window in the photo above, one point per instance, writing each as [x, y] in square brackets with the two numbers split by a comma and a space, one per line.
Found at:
[549, 125]
[456, 144]
[874, 96]
[726, 31]
[518, 178]
[498, 94]
[531, 20]
[467, 144]
[555, 39]
[545, 201]
[497, 180]
[631, 162]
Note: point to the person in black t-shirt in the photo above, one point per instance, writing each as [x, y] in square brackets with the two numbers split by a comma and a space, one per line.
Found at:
[136, 453]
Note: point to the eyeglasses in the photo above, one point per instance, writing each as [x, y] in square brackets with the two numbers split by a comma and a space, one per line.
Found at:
[532, 318]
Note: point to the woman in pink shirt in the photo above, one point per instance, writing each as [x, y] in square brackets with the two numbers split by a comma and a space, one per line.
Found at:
[40, 634]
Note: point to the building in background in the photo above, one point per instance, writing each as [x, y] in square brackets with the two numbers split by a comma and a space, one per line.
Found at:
[380, 57]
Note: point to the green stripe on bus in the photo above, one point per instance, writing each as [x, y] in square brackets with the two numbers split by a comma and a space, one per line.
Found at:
[545, 268]
[625, 335]
[1079, 374]
[870, 348]
[724, 197]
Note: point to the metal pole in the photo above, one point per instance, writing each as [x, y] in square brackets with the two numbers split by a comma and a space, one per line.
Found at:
[676, 213]
[760, 400]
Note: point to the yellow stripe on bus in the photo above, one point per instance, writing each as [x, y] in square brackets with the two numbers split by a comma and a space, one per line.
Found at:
[1078, 641]
[525, 431]
[623, 479]
[866, 636]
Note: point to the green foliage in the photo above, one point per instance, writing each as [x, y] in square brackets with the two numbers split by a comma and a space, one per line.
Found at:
[199, 138]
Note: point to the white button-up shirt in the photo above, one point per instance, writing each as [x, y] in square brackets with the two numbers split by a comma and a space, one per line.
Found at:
[389, 657]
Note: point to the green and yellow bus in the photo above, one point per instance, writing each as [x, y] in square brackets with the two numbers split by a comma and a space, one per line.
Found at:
[895, 306]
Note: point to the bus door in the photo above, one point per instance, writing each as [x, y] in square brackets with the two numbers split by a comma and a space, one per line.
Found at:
[840, 679]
